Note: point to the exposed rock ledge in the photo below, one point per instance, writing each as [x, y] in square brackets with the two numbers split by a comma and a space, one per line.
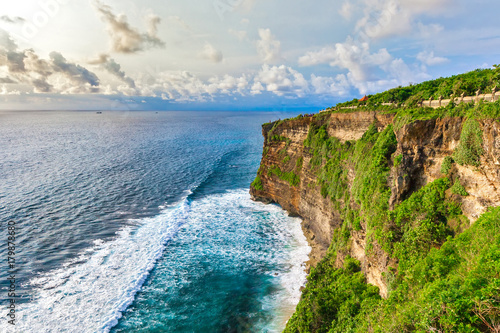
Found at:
[423, 146]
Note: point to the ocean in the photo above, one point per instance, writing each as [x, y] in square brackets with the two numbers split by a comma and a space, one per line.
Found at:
[142, 222]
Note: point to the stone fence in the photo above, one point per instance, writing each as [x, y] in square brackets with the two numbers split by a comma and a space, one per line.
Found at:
[436, 103]
[465, 99]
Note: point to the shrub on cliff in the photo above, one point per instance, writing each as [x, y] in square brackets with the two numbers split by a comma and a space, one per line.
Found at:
[446, 166]
[334, 300]
[257, 184]
[457, 188]
[455, 288]
[470, 148]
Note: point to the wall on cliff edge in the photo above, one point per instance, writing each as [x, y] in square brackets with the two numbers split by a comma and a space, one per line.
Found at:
[288, 176]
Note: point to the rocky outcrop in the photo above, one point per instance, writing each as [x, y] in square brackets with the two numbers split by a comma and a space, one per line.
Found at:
[422, 147]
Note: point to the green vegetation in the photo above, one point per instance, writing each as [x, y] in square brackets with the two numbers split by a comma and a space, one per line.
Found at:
[257, 184]
[280, 138]
[481, 79]
[470, 148]
[421, 223]
[299, 164]
[370, 189]
[334, 298]
[453, 288]
[457, 188]
[369, 157]
[446, 166]
[439, 283]
[397, 160]
[444, 275]
[291, 177]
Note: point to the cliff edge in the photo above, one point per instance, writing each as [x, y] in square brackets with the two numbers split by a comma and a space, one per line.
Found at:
[318, 167]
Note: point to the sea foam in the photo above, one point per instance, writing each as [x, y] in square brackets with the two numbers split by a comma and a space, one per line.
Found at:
[89, 293]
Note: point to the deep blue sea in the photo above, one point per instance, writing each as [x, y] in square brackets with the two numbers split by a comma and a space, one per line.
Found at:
[142, 222]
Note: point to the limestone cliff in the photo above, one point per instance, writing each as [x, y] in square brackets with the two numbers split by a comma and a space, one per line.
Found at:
[288, 178]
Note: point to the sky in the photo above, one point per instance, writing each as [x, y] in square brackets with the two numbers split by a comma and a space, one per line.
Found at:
[233, 54]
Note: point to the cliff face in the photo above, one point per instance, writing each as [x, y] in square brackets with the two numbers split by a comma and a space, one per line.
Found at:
[424, 146]
[288, 177]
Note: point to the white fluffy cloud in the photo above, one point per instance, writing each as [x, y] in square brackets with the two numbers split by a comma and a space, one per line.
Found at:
[346, 10]
[338, 86]
[240, 34]
[370, 70]
[385, 18]
[351, 55]
[184, 86]
[268, 47]
[280, 80]
[428, 58]
[228, 84]
[211, 54]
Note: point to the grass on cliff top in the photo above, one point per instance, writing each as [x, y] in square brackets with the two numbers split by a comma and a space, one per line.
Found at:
[404, 100]
[468, 83]
[404, 115]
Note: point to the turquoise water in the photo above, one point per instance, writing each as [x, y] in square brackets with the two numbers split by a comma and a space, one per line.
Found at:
[142, 222]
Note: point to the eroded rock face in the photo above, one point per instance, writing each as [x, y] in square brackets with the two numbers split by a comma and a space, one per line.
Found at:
[423, 145]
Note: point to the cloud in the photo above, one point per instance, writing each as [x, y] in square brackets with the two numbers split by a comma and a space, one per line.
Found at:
[124, 38]
[100, 59]
[76, 73]
[179, 22]
[14, 20]
[6, 80]
[182, 86]
[429, 30]
[211, 54]
[41, 86]
[385, 18]
[53, 75]
[245, 5]
[15, 61]
[370, 70]
[228, 84]
[5, 91]
[6, 41]
[428, 58]
[112, 67]
[240, 34]
[367, 71]
[351, 55]
[338, 86]
[34, 64]
[346, 10]
[268, 47]
[280, 80]
[257, 88]
[153, 22]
